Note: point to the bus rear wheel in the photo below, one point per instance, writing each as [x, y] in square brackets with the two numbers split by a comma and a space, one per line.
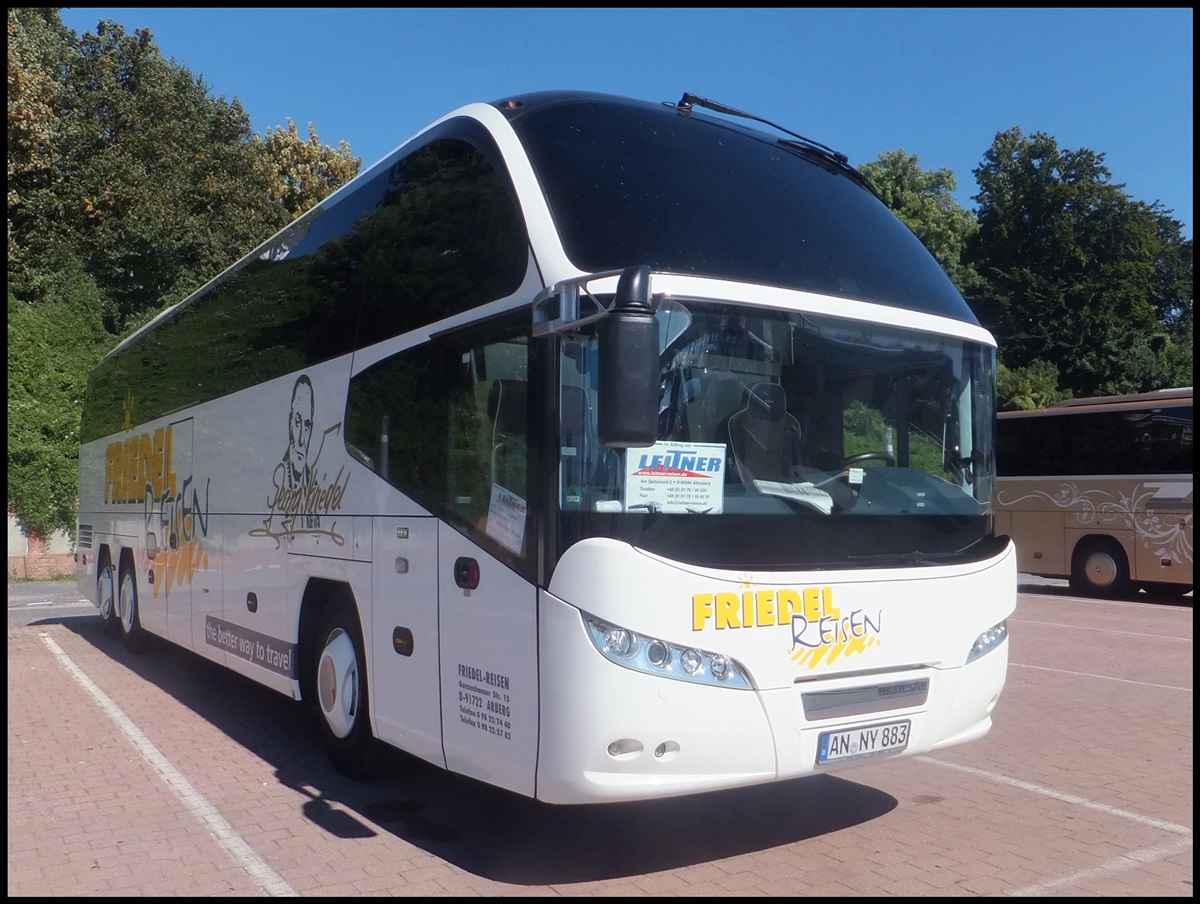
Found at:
[1099, 568]
[129, 619]
[340, 681]
[106, 595]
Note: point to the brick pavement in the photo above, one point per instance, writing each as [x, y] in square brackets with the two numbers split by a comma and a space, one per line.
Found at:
[1083, 787]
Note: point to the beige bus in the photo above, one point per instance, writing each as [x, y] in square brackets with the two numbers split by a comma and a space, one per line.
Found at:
[1099, 491]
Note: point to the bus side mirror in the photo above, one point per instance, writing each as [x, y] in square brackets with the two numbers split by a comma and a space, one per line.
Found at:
[629, 371]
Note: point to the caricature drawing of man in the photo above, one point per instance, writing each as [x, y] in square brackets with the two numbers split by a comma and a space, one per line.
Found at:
[298, 471]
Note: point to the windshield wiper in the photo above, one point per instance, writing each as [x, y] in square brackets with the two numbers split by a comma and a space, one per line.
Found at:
[691, 100]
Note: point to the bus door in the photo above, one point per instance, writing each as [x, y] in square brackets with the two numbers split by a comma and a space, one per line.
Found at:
[404, 636]
[487, 603]
[488, 626]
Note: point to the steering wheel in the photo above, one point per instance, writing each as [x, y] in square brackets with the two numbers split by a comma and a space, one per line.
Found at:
[886, 457]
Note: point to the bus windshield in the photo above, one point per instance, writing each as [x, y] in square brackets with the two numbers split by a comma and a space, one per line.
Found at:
[872, 442]
[696, 195]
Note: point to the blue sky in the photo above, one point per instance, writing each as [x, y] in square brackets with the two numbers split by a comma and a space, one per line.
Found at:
[936, 83]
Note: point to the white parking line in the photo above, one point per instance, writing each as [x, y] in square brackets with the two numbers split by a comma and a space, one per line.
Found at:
[226, 836]
[1065, 798]
[1126, 861]
[1123, 632]
[1042, 668]
[1131, 860]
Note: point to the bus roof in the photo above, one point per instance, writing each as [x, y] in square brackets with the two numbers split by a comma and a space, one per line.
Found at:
[1180, 395]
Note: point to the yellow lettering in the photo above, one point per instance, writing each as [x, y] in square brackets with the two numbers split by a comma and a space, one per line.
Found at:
[727, 610]
[158, 463]
[170, 471]
[112, 473]
[787, 605]
[145, 460]
[812, 604]
[131, 481]
[765, 608]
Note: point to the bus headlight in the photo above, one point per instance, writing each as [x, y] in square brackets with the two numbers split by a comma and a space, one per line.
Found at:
[618, 641]
[691, 660]
[663, 658]
[988, 641]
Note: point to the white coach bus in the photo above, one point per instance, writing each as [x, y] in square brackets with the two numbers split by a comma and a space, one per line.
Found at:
[597, 449]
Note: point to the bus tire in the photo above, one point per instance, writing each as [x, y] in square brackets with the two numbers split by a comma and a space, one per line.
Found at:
[106, 595]
[129, 619]
[340, 681]
[1099, 568]
[1164, 591]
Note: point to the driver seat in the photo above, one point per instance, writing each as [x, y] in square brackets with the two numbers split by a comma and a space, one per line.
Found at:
[764, 436]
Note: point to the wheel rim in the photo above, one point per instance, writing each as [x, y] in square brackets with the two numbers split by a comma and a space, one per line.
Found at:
[127, 601]
[1101, 569]
[104, 585]
[337, 683]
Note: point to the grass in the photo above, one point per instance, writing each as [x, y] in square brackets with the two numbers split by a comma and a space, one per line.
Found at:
[53, 577]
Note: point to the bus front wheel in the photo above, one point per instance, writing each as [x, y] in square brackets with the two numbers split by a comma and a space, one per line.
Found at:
[1099, 568]
[340, 680]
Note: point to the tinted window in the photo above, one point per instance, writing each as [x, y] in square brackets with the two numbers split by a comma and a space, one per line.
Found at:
[457, 414]
[632, 183]
[1144, 441]
[434, 234]
[448, 238]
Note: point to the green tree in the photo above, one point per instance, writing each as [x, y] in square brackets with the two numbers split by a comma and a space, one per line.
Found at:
[303, 172]
[1075, 271]
[1027, 388]
[51, 348]
[924, 202]
[158, 186]
[130, 186]
[37, 45]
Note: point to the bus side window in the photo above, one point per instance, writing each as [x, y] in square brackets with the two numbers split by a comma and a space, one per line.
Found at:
[577, 445]
[508, 406]
[388, 407]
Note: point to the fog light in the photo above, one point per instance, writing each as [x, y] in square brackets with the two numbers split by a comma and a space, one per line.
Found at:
[624, 747]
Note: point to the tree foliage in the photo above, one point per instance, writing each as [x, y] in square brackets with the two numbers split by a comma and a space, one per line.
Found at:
[155, 180]
[37, 44]
[1074, 271]
[51, 348]
[130, 186]
[1027, 388]
[305, 172]
[924, 202]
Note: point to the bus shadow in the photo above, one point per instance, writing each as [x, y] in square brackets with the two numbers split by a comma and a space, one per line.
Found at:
[504, 837]
[1135, 596]
[492, 833]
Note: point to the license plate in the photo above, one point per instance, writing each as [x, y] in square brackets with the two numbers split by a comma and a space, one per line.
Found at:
[869, 740]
